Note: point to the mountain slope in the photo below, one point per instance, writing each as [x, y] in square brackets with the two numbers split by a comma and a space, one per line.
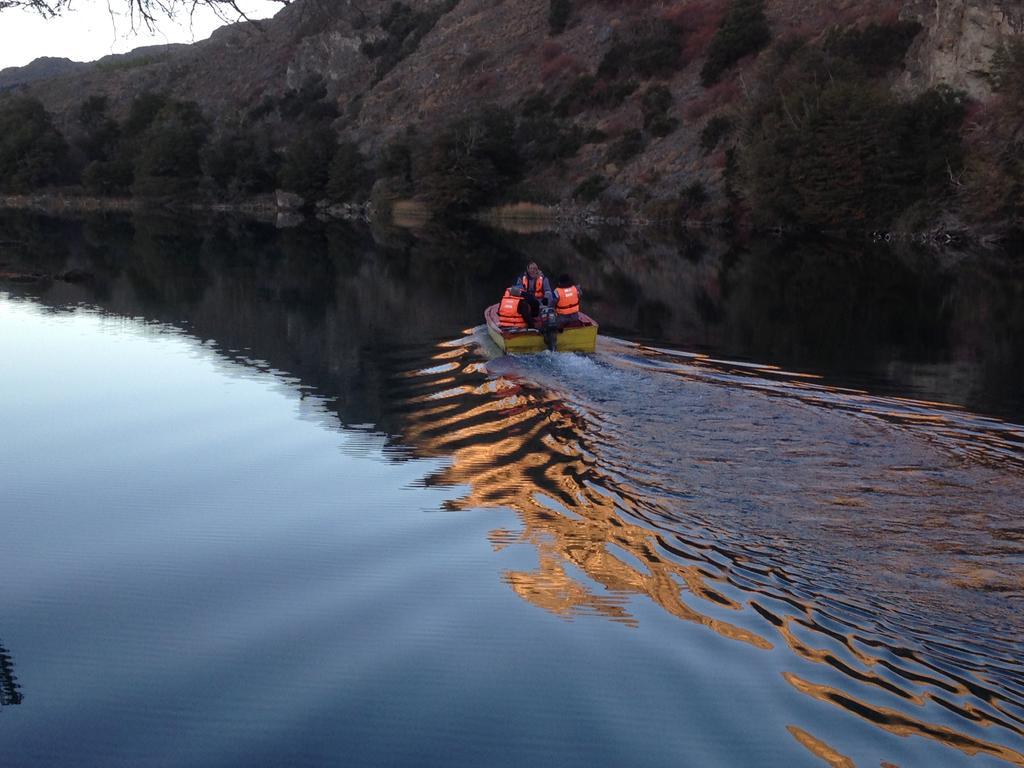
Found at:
[634, 127]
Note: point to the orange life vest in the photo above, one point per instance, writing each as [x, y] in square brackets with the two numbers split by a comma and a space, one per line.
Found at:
[508, 311]
[568, 301]
[538, 288]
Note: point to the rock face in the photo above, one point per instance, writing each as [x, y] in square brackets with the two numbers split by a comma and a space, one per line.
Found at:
[959, 39]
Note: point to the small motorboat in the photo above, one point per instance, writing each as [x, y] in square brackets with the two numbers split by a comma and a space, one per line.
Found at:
[579, 337]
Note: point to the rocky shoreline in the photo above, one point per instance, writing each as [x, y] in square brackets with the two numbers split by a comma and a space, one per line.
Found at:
[288, 210]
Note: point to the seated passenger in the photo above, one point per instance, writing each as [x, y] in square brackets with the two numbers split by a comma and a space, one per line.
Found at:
[536, 287]
[514, 310]
[567, 301]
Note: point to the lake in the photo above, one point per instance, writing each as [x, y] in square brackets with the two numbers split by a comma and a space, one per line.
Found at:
[271, 497]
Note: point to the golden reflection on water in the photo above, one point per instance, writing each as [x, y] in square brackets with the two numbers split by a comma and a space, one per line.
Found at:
[820, 749]
[600, 543]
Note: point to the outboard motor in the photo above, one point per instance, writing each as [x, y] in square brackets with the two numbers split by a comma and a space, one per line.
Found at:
[549, 326]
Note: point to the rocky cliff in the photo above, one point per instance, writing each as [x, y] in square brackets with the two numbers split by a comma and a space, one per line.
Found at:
[960, 38]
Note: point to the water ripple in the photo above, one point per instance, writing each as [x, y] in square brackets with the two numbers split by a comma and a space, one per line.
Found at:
[875, 539]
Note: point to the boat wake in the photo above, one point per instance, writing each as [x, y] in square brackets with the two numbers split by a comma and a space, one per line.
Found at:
[875, 539]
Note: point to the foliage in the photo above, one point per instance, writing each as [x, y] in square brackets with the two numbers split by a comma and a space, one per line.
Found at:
[558, 15]
[98, 133]
[168, 162]
[396, 160]
[655, 103]
[33, 152]
[310, 101]
[695, 195]
[350, 178]
[142, 112]
[648, 48]
[404, 28]
[717, 128]
[629, 145]
[108, 177]
[543, 139]
[468, 164]
[840, 153]
[1008, 69]
[305, 169]
[994, 177]
[744, 31]
[877, 48]
[590, 188]
[238, 162]
[589, 92]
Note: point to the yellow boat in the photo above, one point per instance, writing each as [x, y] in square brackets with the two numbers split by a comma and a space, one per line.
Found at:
[576, 338]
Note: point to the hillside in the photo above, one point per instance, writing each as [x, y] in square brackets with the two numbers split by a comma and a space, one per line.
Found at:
[44, 68]
[694, 108]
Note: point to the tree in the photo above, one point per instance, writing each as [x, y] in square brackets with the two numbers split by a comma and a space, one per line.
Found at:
[146, 13]
[168, 162]
[744, 31]
[349, 178]
[306, 167]
[98, 133]
[33, 152]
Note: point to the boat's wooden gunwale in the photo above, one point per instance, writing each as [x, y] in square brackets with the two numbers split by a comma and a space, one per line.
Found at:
[581, 338]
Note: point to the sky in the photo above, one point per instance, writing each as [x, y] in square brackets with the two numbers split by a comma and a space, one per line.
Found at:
[88, 31]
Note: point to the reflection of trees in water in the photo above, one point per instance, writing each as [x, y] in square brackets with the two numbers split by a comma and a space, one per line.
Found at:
[324, 299]
[10, 693]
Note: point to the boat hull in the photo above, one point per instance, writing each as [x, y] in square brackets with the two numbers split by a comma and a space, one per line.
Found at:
[581, 338]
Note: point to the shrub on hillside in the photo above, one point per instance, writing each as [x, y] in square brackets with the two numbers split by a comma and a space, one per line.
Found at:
[239, 163]
[1008, 70]
[142, 112]
[98, 133]
[695, 195]
[994, 179]
[590, 188]
[717, 96]
[33, 153]
[717, 128]
[168, 162]
[108, 177]
[877, 48]
[744, 31]
[846, 153]
[467, 165]
[588, 92]
[655, 103]
[628, 146]
[305, 168]
[697, 21]
[648, 48]
[558, 15]
[310, 101]
[350, 178]
[404, 28]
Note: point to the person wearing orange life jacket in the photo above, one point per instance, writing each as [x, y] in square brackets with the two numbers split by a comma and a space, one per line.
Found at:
[514, 310]
[536, 287]
[567, 301]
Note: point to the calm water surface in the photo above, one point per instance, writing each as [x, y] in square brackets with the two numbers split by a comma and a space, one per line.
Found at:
[270, 498]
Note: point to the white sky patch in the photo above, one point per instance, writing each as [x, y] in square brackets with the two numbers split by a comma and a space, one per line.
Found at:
[88, 31]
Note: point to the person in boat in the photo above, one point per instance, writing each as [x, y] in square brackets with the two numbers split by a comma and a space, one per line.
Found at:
[515, 311]
[536, 287]
[567, 301]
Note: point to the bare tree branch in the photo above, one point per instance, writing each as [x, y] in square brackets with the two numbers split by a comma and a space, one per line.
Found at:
[142, 13]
